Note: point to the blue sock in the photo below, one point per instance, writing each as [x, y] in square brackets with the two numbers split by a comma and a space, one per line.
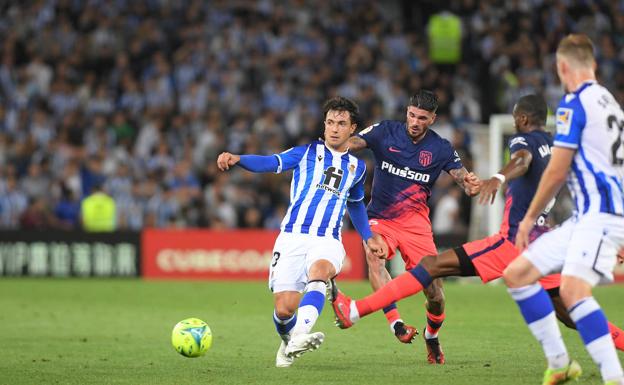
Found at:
[284, 326]
[310, 307]
[591, 324]
[539, 315]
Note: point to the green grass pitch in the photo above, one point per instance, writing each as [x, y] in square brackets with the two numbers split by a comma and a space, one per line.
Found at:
[78, 331]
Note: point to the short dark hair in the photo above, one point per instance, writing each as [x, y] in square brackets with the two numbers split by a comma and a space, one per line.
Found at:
[535, 108]
[340, 103]
[425, 100]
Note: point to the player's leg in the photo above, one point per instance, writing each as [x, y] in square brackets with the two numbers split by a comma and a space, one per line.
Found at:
[561, 311]
[598, 237]
[313, 300]
[323, 261]
[545, 255]
[435, 318]
[407, 284]
[285, 318]
[286, 280]
[379, 276]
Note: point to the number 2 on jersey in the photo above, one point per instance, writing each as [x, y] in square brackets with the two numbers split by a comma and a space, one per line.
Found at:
[613, 122]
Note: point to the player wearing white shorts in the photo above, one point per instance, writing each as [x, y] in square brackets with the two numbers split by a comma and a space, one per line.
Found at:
[589, 152]
[309, 252]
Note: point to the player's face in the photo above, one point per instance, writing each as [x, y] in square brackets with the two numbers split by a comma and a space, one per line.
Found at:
[520, 119]
[338, 129]
[418, 121]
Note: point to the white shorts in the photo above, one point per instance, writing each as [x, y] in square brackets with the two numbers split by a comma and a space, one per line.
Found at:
[585, 247]
[293, 254]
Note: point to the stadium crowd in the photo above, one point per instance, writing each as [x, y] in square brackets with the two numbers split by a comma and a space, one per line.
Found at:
[141, 96]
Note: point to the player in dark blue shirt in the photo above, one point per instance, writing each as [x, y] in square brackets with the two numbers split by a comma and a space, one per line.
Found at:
[409, 157]
[488, 257]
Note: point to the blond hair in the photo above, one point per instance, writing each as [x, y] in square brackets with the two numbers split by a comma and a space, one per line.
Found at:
[577, 50]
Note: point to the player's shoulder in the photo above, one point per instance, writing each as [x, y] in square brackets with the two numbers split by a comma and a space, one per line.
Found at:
[382, 125]
[436, 140]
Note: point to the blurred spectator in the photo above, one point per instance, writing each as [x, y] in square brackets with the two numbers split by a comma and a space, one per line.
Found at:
[143, 97]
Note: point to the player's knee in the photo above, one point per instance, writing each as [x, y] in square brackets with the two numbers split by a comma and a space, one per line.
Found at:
[571, 293]
[284, 310]
[430, 264]
[512, 276]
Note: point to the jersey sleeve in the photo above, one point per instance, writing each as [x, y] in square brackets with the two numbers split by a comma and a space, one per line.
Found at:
[290, 158]
[517, 143]
[570, 121]
[372, 135]
[453, 161]
[356, 192]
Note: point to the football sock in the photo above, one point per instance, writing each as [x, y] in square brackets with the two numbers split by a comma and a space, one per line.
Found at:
[284, 325]
[406, 284]
[392, 315]
[618, 336]
[310, 307]
[434, 323]
[591, 324]
[539, 314]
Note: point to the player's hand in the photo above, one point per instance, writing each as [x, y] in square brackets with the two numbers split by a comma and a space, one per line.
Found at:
[377, 246]
[227, 160]
[472, 184]
[620, 256]
[488, 190]
[522, 235]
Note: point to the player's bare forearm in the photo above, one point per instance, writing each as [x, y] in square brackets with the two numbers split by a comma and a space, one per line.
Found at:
[517, 166]
[553, 178]
[468, 181]
[356, 143]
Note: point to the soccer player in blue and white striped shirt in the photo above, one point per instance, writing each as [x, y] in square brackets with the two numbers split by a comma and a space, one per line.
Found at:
[308, 252]
[588, 150]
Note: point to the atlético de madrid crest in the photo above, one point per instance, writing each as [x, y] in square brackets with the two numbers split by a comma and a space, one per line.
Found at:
[425, 158]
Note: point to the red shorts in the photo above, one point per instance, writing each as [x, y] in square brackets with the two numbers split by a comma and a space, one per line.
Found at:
[491, 255]
[413, 245]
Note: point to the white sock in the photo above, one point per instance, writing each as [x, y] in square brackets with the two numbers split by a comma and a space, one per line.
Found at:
[604, 355]
[547, 332]
[591, 324]
[310, 307]
[429, 335]
[354, 314]
[538, 312]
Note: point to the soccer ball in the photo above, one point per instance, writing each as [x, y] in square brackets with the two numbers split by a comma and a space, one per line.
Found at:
[191, 337]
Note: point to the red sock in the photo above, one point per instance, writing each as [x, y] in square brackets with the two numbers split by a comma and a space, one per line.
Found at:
[402, 286]
[392, 315]
[434, 322]
[618, 336]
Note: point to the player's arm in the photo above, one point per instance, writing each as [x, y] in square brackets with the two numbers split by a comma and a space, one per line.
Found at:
[356, 143]
[253, 163]
[553, 178]
[468, 181]
[517, 166]
[359, 218]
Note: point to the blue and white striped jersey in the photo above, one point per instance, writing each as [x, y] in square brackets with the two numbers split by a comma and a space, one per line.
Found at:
[322, 183]
[591, 121]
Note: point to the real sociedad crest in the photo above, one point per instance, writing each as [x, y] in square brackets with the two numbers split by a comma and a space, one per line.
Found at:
[425, 158]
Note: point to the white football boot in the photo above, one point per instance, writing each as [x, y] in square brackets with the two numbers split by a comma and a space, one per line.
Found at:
[281, 359]
[304, 343]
